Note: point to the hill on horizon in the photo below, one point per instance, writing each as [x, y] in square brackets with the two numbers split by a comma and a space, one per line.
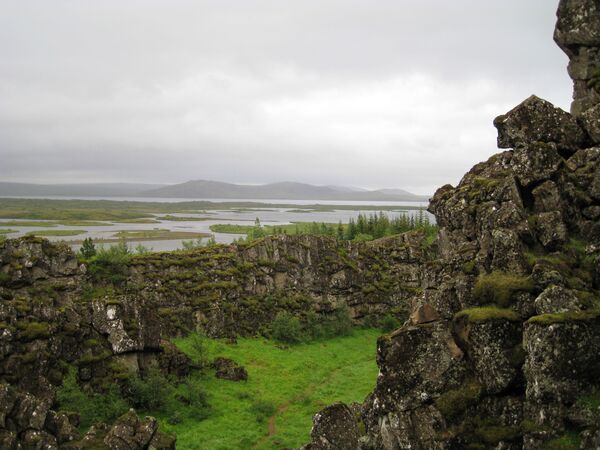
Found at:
[207, 189]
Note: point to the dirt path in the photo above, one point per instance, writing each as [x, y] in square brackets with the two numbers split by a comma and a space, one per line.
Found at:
[281, 409]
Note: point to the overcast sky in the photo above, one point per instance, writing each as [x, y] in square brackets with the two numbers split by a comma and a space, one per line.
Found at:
[370, 93]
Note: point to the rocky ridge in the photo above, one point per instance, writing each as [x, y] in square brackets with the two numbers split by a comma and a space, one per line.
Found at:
[501, 350]
[56, 313]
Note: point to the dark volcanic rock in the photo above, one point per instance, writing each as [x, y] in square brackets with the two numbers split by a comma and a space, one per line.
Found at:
[129, 432]
[227, 369]
[578, 34]
[334, 428]
[537, 120]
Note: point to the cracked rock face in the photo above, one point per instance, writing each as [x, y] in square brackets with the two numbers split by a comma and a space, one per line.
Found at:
[578, 34]
[483, 363]
[538, 120]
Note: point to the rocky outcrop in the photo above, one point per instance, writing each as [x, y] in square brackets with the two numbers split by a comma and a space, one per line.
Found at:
[228, 369]
[501, 348]
[578, 35]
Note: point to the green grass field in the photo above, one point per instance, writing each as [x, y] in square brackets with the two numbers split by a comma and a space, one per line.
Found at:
[112, 210]
[297, 381]
[45, 233]
[158, 234]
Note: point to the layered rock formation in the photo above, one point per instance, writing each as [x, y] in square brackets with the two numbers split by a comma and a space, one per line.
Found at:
[56, 313]
[501, 351]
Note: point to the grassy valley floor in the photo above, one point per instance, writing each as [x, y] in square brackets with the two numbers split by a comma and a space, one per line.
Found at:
[286, 386]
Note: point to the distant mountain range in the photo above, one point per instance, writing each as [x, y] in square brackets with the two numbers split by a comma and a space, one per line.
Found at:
[205, 189]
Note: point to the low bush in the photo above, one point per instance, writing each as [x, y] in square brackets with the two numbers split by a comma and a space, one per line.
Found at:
[152, 391]
[110, 264]
[287, 328]
[389, 323]
[92, 408]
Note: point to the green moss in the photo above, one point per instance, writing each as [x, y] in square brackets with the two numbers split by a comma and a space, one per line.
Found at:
[568, 441]
[486, 313]
[91, 358]
[590, 401]
[529, 426]
[570, 316]
[4, 277]
[469, 268]
[34, 330]
[494, 433]
[454, 402]
[500, 287]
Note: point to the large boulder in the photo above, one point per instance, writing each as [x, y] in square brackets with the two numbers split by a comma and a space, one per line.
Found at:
[129, 432]
[334, 428]
[537, 120]
[493, 345]
[228, 369]
[578, 34]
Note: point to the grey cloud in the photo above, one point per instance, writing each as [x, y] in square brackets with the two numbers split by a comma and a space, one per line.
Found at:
[385, 93]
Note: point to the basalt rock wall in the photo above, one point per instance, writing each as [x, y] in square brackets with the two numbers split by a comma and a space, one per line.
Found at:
[56, 312]
[501, 351]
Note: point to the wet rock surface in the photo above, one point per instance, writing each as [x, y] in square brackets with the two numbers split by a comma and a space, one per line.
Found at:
[509, 359]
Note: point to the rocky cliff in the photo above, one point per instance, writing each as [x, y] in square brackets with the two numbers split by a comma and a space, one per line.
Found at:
[501, 351]
[110, 320]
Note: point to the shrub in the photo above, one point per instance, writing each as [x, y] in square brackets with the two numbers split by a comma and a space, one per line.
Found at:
[192, 393]
[500, 287]
[263, 409]
[88, 249]
[389, 323]
[341, 322]
[104, 407]
[200, 350]
[110, 264]
[150, 392]
[287, 328]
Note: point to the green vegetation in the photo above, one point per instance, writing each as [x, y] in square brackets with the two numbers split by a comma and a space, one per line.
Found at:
[34, 330]
[590, 401]
[500, 288]
[99, 407]
[171, 218]
[56, 233]
[6, 231]
[110, 264]
[454, 402]
[29, 223]
[88, 249]
[570, 316]
[486, 313]
[158, 234]
[568, 441]
[298, 381]
[112, 210]
[365, 228]
[389, 323]
[289, 329]
[149, 392]
[140, 220]
[54, 223]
